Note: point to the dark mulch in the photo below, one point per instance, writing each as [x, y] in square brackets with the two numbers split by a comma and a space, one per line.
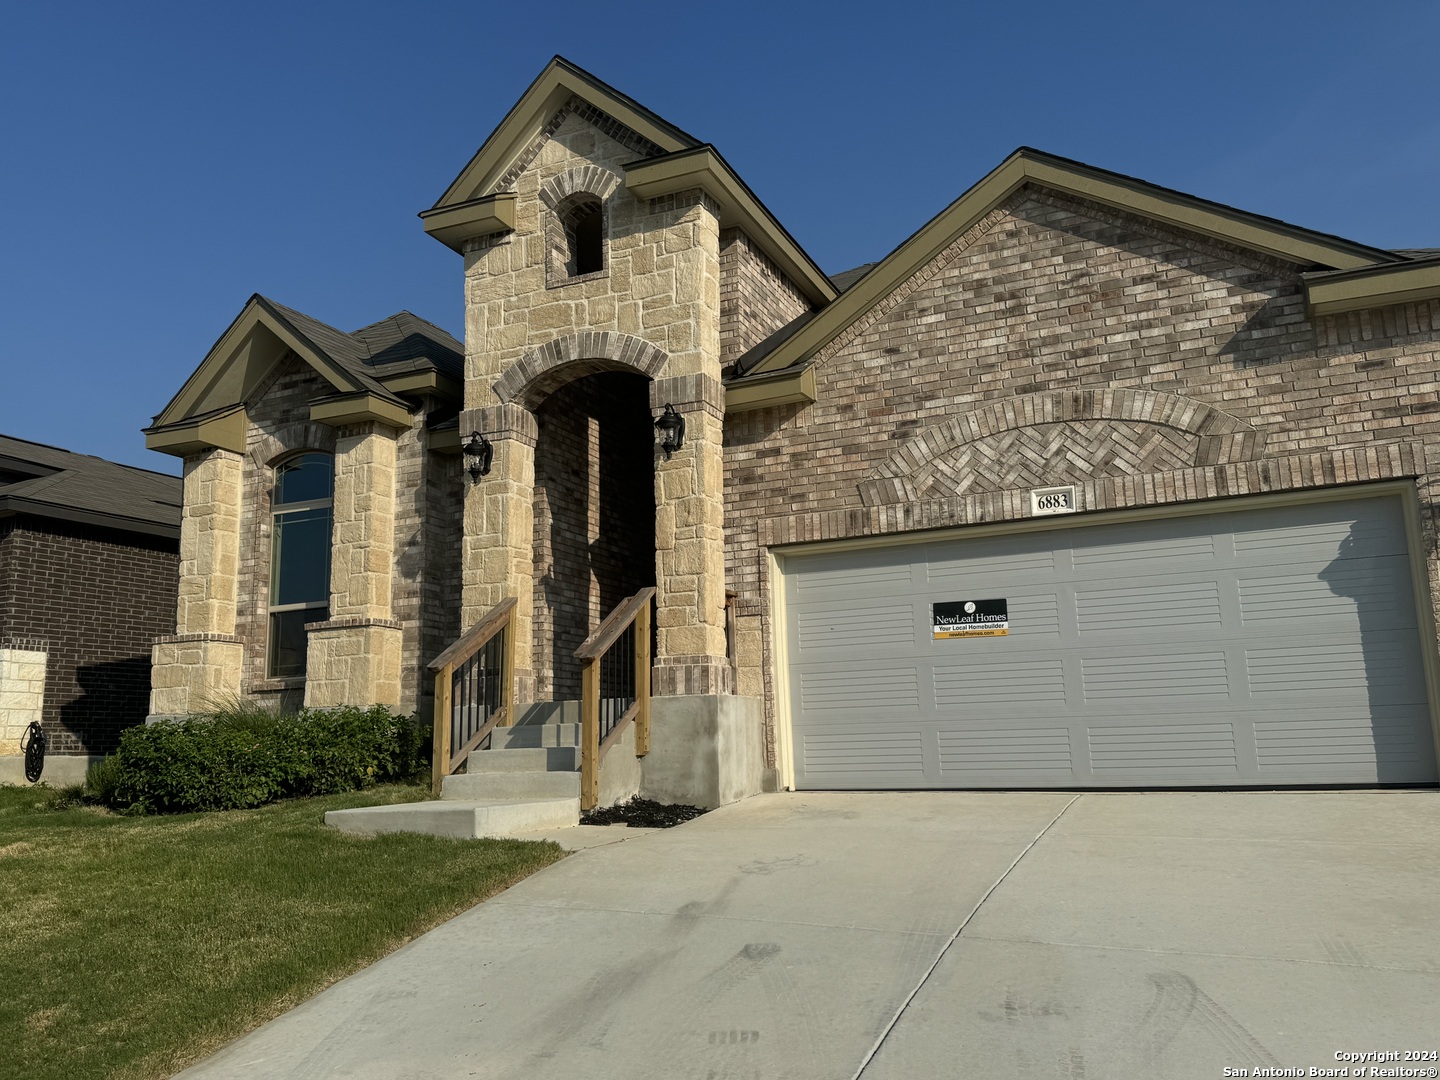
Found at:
[642, 814]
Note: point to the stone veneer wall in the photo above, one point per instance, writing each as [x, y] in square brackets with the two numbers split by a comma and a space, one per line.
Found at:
[1021, 333]
[279, 426]
[594, 517]
[22, 690]
[657, 299]
[756, 298]
[92, 599]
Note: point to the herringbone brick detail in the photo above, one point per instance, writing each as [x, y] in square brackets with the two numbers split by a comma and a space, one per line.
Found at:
[1055, 454]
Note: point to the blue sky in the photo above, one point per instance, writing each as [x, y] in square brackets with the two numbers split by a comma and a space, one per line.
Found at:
[161, 162]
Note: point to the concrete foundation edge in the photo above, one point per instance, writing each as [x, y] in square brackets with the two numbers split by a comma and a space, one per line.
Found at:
[61, 770]
[706, 750]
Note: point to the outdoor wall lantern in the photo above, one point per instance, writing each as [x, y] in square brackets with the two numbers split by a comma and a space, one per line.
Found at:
[479, 452]
[671, 426]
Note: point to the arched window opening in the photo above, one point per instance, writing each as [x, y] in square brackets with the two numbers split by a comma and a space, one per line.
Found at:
[302, 507]
[585, 238]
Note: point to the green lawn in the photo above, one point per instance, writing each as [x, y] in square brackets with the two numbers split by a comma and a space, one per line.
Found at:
[131, 947]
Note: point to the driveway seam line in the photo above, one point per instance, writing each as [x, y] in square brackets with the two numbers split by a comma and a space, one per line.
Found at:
[722, 918]
[885, 1034]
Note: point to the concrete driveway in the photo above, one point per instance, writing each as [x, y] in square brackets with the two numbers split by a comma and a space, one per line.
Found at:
[891, 936]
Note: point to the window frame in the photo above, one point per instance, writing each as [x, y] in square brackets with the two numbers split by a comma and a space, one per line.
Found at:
[277, 511]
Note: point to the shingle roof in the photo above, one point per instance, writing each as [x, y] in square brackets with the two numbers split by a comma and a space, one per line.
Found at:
[846, 278]
[79, 487]
[398, 343]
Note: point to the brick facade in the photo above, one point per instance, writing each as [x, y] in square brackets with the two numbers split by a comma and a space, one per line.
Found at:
[756, 298]
[96, 598]
[1058, 341]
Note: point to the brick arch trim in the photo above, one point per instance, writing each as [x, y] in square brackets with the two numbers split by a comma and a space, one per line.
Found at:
[1220, 437]
[585, 180]
[545, 369]
[290, 439]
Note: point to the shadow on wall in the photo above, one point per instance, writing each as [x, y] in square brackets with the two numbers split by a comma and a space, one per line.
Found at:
[1383, 677]
[113, 696]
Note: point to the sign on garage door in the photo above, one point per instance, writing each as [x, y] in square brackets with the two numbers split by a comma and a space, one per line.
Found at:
[1254, 647]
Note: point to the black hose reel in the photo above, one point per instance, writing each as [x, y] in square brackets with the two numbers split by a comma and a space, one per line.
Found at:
[32, 745]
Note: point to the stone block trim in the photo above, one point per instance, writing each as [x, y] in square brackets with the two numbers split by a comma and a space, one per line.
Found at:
[543, 370]
[500, 422]
[210, 543]
[362, 558]
[193, 673]
[689, 393]
[22, 693]
[353, 662]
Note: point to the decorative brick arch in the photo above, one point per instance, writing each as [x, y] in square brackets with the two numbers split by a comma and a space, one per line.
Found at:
[541, 371]
[1060, 436]
[586, 180]
[291, 438]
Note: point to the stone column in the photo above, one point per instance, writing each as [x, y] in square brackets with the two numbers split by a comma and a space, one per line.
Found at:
[200, 664]
[690, 543]
[353, 658]
[22, 690]
[497, 553]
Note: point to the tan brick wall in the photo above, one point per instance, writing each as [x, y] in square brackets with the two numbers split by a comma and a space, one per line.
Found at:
[1050, 304]
[756, 298]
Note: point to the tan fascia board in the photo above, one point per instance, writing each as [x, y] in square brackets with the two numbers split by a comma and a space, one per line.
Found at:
[703, 167]
[1026, 166]
[1381, 286]
[358, 409]
[422, 382]
[238, 345]
[222, 430]
[557, 84]
[785, 388]
[454, 225]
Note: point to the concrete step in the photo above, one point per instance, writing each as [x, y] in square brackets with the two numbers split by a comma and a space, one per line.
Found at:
[468, 787]
[524, 759]
[548, 712]
[531, 735]
[462, 820]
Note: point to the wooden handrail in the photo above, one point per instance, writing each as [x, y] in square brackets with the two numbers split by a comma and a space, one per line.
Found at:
[446, 758]
[633, 610]
[474, 639]
[613, 625]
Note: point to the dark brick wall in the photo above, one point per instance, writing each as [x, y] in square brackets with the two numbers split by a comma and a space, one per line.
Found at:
[98, 599]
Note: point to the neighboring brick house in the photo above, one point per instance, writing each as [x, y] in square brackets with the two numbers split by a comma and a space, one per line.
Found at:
[1087, 483]
[88, 571]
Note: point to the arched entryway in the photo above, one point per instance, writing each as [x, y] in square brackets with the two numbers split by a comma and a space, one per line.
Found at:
[594, 516]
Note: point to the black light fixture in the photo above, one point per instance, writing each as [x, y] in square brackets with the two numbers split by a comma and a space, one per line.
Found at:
[671, 426]
[479, 452]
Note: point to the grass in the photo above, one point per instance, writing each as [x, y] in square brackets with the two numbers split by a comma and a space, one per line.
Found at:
[131, 947]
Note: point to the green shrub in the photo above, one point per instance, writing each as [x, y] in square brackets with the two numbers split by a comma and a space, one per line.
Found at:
[243, 758]
[100, 781]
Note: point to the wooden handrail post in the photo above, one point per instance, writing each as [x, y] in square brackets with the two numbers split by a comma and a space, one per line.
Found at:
[590, 735]
[440, 752]
[642, 680]
[507, 684]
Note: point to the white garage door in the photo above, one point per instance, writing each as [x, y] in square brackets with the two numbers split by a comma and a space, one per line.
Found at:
[1253, 647]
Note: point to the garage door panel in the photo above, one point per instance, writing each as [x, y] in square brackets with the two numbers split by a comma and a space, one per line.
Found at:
[1025, 682]
[1344, 594]
[1381, 668]
[850, 627]
[1265, 646]
[1147, 605]
[830, 692]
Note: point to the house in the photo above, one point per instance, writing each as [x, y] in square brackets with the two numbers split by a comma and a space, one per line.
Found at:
[1088, 483]
[88, 571]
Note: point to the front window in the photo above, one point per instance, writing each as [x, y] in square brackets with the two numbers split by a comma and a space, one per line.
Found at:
[302, 506]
